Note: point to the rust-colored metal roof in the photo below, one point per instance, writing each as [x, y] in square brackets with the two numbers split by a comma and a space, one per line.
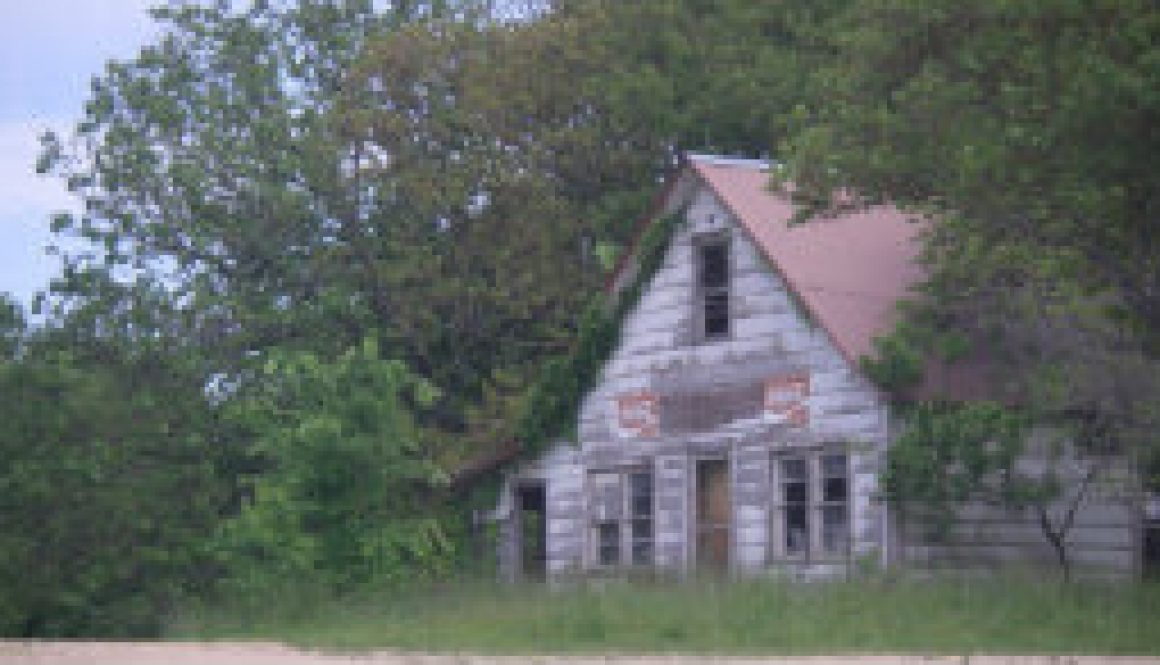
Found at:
[848, 271]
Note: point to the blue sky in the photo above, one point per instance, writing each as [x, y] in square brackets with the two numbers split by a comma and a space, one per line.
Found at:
[49, 52]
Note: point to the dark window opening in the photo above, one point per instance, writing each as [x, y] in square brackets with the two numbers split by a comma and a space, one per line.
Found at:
[834, 508]
[713, 287]
[533, 531]
[641, 512]
[795, 506]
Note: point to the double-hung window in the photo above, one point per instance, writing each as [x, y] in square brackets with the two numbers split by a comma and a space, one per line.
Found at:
[622, 518]
[713, 286]
[811, 505]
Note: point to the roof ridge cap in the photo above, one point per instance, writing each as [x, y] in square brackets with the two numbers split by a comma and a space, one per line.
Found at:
[727, 160]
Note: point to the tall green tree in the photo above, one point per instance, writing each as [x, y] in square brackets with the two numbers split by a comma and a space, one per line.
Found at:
[108, 493]
[506, 163]
[12, 326]
[344, 491]
[206, 164]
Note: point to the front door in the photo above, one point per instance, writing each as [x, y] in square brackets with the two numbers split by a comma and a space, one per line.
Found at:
[713, 514]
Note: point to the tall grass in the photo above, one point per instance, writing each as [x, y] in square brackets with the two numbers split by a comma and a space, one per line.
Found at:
[1000, 614]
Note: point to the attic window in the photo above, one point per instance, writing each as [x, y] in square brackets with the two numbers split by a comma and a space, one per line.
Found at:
[713, 286]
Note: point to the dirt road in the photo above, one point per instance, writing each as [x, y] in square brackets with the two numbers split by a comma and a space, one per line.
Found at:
[185, 653]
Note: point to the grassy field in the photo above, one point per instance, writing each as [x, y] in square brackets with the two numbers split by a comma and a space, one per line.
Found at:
[996, 615]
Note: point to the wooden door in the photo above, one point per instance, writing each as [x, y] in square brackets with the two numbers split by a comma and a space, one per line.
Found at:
[714, 513]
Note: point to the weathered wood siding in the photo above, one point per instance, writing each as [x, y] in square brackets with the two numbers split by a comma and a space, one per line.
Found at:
[1104, 538]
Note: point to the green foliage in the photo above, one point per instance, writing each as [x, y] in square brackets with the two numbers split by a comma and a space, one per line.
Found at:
[1021, 131]
[207, 164]
[12, 326]
[949, 455]
[553, 400]
[107, 492]
[896, 365]
[1002, 614]
[346, 492]
[520, 154]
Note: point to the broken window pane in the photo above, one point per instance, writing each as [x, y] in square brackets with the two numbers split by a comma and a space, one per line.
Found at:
[796, 529]
[835, 529]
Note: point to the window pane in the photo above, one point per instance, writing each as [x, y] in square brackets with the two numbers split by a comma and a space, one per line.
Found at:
[606, 496]
[642, 529]
[795, 492]
[834, 489]
[642, 494]
[793, 469]
[716, 314]
[714, 264]
[834, 465]
[796, 529]
[835, 529]
[641, 506]
[642, 553]
[609, 543]
[641, 483]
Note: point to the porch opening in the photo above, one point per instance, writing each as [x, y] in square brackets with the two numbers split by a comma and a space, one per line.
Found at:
[533, 529]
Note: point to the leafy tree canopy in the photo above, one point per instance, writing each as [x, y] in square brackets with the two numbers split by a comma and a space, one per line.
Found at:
[1027, 132]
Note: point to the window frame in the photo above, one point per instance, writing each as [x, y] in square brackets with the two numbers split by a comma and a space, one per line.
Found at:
[815, 506]
[702, 293]
[625, 520]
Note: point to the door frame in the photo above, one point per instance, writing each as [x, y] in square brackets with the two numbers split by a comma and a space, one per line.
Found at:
[540, 571]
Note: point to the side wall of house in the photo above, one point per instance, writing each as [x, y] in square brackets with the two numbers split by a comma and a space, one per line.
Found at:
[1104, 537]
[692, 399]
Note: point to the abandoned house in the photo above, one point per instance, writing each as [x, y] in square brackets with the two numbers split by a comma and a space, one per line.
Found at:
[731, 429]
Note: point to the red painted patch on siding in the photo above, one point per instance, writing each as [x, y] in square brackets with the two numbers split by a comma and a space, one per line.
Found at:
[785, 398]
[639, 414]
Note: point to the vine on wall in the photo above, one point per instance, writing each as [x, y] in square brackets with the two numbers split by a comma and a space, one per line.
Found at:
[552, 403]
